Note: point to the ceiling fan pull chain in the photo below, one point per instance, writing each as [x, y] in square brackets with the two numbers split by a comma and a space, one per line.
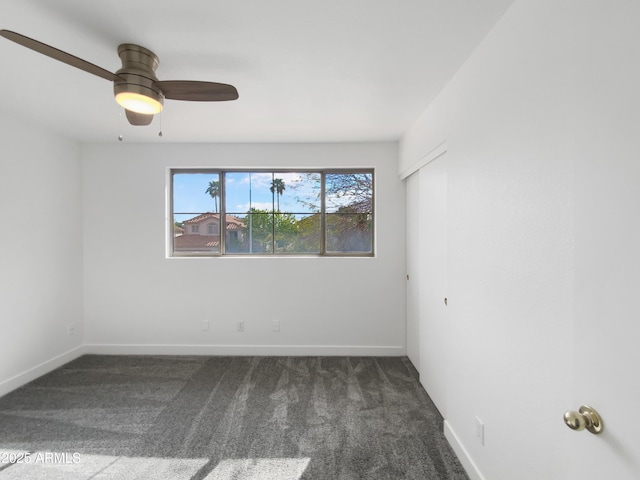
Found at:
[120, 137]
[160, 132]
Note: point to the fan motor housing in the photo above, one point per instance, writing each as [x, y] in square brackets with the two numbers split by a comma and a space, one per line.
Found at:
[137, 74]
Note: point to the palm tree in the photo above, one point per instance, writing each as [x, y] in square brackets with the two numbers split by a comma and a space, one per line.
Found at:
[214, 191]
[277, 185]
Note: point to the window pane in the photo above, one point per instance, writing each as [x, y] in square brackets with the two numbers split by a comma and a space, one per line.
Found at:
[257, 234]
[296, 192]
[196, 221]
[189, 237]
[196, 192]
[296, 234]
[285, 230]
[349, 192]
[308, 237]
[349, 217]
[349, 232]
[236, 234]
[248, 190]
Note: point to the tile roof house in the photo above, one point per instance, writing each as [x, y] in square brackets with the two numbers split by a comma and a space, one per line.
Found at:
[202, 233]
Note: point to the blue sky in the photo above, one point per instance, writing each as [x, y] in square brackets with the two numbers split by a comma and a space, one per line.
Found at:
[245, 190]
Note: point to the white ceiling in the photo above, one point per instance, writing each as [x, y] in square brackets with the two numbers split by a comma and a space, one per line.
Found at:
[306, 71]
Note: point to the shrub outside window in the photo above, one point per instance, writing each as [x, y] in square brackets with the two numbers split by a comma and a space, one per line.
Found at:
[272, 212]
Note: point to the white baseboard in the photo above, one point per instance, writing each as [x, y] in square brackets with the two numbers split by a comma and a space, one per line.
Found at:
[465, 459]
[39, 370]
[239, 350]
[245, 350]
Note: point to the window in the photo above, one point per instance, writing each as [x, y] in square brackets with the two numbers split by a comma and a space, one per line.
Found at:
[258, 212]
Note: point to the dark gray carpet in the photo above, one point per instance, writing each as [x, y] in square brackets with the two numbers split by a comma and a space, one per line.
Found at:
[224, 418]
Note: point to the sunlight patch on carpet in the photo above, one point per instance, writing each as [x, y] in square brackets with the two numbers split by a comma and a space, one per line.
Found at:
[260, 469]
[81, 466]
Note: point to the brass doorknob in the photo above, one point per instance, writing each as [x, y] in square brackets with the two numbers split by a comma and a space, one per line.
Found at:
[585, 418]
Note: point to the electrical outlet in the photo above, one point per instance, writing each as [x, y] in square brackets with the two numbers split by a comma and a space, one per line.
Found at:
[480, 431]
[276, 326]
[205, 325]
[240, 325]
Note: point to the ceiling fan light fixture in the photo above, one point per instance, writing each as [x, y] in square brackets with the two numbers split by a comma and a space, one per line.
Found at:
[139, 103]
[136, 86]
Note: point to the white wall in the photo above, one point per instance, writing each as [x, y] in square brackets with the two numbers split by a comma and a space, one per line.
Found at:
[136, 300]
[541, 122]
[41, 266]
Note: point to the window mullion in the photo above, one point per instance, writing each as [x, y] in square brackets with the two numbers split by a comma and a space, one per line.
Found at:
[222, 213]
[273, 216]
[172, 219]
[323, 223]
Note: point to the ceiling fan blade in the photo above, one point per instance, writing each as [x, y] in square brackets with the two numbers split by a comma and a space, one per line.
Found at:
[138, 118]
[197, 91]
[59, 55]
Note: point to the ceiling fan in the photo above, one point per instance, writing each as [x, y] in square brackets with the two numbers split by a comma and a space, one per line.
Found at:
[135, 85]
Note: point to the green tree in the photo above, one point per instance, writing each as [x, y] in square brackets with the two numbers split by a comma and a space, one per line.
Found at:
[308, 237]
[214, 190]
[277, 186]
[270, 231]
